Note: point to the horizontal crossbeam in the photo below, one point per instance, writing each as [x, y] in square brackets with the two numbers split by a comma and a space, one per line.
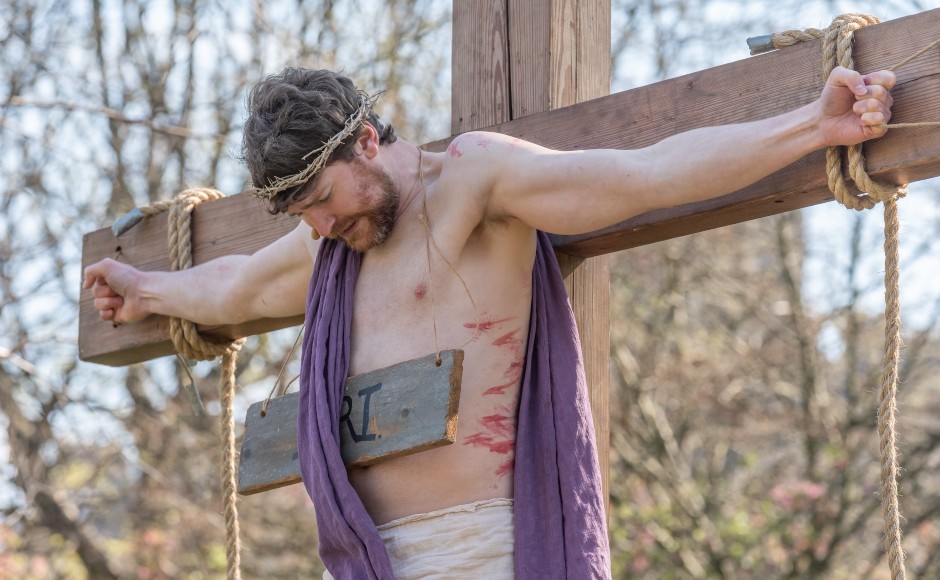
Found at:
[751, 89]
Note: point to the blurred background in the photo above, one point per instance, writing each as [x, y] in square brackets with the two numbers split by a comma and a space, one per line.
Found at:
[744, 360]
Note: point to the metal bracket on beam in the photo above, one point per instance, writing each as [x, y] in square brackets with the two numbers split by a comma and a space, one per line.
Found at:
[760, 44]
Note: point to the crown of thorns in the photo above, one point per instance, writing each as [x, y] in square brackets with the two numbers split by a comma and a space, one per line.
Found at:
[322, 153]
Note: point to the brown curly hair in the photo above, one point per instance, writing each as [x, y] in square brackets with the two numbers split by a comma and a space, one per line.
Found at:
[292, 113]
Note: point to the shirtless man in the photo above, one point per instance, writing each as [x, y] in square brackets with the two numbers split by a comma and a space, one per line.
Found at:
[484, 199]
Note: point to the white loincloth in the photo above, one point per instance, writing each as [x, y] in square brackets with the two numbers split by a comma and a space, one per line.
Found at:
[465, 541]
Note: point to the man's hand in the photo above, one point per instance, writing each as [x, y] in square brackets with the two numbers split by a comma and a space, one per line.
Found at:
[271, 283]
[855, 107]
[115, 288]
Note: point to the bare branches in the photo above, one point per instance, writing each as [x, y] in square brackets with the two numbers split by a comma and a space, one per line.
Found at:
[109, 105]
[114, 115]
[759, 455]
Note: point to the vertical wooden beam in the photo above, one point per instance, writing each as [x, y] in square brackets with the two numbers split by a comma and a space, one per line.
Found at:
[479, 65]
[567, 43]
[519, 57]
[592, 276]
[588, 283]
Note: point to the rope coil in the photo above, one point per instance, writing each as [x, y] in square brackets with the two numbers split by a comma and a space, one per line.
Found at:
[189, 343]
[837, 51]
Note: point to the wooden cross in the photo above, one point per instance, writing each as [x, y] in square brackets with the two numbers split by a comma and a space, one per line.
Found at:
[528, 68]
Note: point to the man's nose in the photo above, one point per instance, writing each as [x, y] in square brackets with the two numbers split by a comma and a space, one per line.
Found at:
[320, 221]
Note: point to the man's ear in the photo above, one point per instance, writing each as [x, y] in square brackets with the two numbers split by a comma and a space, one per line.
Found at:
[368, 141]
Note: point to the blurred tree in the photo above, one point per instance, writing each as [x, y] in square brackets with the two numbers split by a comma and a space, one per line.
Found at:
[111, 104]
[743, 425]
[744, 389]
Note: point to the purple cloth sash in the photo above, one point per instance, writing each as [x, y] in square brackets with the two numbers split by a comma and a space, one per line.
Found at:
[560, 524]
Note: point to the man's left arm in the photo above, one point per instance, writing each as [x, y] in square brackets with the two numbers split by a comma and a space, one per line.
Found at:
[580, 191]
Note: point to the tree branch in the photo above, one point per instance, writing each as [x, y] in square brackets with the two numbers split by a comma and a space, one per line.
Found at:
[173, 130]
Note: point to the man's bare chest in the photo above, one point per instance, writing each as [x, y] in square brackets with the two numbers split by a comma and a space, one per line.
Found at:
[414, 301]
[398, 308]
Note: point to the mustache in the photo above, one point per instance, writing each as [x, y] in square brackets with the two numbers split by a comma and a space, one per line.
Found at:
[340, 228]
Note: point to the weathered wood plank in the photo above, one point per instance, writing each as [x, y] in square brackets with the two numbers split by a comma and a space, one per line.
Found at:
[743, 91]
[480, 51]
[391, 412]
[573, 39]
[269, 457]
[233, 225]
[751, 89]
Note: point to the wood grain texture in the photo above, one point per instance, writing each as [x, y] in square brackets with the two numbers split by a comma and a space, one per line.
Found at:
[738, 92]
[553, 62]
[391, 412]
[530, 57]
[571, 32]
[587, 281]
[269, 458]
[414, 408]
[746, 90]
[593, 33]
[480, 59]
[233, 225]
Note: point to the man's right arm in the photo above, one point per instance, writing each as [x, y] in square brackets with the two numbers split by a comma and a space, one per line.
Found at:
[271, 283]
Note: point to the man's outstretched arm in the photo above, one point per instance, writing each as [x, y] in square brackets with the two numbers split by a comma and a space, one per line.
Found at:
[580, 191]
[271, 283]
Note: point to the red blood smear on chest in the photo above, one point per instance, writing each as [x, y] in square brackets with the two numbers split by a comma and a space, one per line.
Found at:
[485, 325]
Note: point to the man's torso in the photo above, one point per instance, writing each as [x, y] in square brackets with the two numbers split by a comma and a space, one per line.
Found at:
[397, 304]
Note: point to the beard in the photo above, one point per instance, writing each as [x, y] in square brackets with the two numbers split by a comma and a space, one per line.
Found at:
[381, 213]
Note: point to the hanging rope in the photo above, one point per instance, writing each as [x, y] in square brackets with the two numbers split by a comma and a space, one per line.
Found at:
[837, 51]
[192, 345]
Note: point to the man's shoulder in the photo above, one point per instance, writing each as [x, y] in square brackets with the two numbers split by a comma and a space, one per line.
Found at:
[473, 166]
[473, 161]
[482, 145]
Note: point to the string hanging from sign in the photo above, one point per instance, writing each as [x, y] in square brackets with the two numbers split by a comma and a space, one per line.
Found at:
[429, 241]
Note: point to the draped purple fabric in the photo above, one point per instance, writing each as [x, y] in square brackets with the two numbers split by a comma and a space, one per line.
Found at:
[561, 528]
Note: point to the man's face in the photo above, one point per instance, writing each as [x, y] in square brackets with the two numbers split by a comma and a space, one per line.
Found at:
[354, 201]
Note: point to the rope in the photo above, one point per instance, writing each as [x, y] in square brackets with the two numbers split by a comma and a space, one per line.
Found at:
[189, 343]
[837, 51]
[787, 38]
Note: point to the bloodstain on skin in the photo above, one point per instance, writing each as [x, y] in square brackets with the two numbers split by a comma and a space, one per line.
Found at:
[512, 342]
[484, 325]
[484, 142]
[499, 389]
[508, 339]
[512, 375]
[420, 291]
[506, 467]
[453, 150]
[498, 435]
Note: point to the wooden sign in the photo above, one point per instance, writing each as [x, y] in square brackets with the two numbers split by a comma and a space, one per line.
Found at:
[390, 412]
